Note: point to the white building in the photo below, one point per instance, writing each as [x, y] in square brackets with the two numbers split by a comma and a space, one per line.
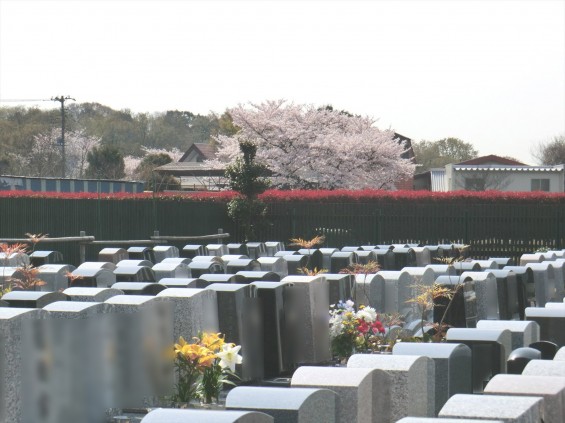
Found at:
[492, 173]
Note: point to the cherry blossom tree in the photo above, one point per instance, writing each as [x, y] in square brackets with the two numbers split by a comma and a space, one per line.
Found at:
[44, 157]
[308, 147]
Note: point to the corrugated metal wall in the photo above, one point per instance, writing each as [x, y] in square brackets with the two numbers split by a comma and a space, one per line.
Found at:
[493, 229]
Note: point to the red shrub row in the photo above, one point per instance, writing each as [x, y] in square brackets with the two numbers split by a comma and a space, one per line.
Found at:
[324, 196]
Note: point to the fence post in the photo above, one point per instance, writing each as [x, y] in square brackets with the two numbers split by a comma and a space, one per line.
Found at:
[82, 248]
[220, 231]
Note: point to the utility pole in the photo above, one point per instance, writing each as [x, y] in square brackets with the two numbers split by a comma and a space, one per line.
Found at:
[61, 99]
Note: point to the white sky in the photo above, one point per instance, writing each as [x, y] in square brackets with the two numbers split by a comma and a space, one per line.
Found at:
[491, 72]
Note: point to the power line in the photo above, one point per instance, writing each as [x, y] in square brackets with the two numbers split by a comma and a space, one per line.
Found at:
[21, 100]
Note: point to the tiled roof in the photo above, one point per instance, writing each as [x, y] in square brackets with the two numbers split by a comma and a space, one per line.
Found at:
[491, 158]
[188, 168]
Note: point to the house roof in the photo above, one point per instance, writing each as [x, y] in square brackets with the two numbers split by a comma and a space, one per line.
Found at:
[204, 149]
[525, 168]
[188, 169]
[492, 159]
[409, 153]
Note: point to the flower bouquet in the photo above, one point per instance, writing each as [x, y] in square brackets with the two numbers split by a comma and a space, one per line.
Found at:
[353, 331]
[204, 366]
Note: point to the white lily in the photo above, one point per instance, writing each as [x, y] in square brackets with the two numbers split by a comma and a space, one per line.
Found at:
[229, 356]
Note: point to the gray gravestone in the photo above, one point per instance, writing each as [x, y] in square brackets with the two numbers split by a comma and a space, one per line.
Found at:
[198, 268]
[296, 405]
[490, 350]
[511, 302]
[134, 262]
[183, 260]
[441, 270]
[33, 299]
[370, 290]
[139, 288]
[403, 257]
[363, 393]
[559, 273]
[544, 280]
[396, 287]
[550, 321]
[239, 319]
[234, 266]
[221, 278]
[75, 333]
[141, 253]
[273, 247]
[545, 368]
[277, 358]
[217, 249]
[423, 256]
[14, 391]
[134, 274]
[560, 355]
[551, 389]
[162, 252]
[256, 250]
[486, 264]
[170, 270]
[327, 256]
[440, 420]
[141, 374]
[315, 257]
[531, 258]
[412, 382]
[506, 408]
[486, 292]
[180, 282]
[463, 311]
[452, 367]
[98, 295]
[364, 257]
[190, 251]
[54, 276]
[195, 311]
[113, 255]
[295, 263]
[341, 260]
[14, 260]
[258, 276]
[164, 415]
[523, 332]
[237, 249]
[306, 311]
[92, 277]
[503, 261]
[40, 258]
[274, 264]
[341, 286]
[349, 248]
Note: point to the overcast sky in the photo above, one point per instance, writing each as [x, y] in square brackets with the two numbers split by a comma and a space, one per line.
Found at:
[491, 72]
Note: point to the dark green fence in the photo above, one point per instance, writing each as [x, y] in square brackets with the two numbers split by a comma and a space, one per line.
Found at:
[492, 229]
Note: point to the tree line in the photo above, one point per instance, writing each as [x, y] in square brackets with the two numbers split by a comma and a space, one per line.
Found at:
[101, 142]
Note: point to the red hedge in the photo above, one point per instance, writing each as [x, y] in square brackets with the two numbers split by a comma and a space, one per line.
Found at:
[324, 196]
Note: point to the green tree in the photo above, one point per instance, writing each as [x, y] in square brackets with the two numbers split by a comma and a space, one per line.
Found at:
[551, 152]
[431, 154]
[105, 162]
[154, 181]
[248, 179]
